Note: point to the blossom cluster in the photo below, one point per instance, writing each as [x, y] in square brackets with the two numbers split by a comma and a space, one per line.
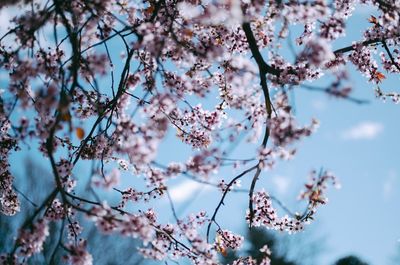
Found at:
[226, 239]
[250, 261]
[264, 214]
[283, 127]
[316, 188]
[9, 202]
[31, 240]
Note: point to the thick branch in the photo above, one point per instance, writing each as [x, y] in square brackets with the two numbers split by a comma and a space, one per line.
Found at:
[264, 68]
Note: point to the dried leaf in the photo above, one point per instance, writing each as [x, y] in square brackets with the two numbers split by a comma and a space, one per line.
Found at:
[378, 76]
[65, 116]
[373, 20]
[187, 32]
[80, 133]
[149, 10]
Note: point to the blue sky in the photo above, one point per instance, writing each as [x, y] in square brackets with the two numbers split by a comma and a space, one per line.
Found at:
[359, 143]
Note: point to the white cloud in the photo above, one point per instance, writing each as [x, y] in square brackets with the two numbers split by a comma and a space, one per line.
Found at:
[388, 185]
[319, 105]
[281, 184]
[185, 190]
[366, 130]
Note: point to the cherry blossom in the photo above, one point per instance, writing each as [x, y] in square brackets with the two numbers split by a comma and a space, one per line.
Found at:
[78, 255]
[31, 240]
[104, 85]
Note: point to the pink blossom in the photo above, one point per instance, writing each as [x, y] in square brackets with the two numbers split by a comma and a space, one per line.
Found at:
[31, 240]
[78, 255]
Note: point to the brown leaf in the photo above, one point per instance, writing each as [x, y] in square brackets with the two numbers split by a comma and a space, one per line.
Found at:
[187, 32]
[80, 133]
[149, 10]
[65, 116]
[373, 20]
[378, 76]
